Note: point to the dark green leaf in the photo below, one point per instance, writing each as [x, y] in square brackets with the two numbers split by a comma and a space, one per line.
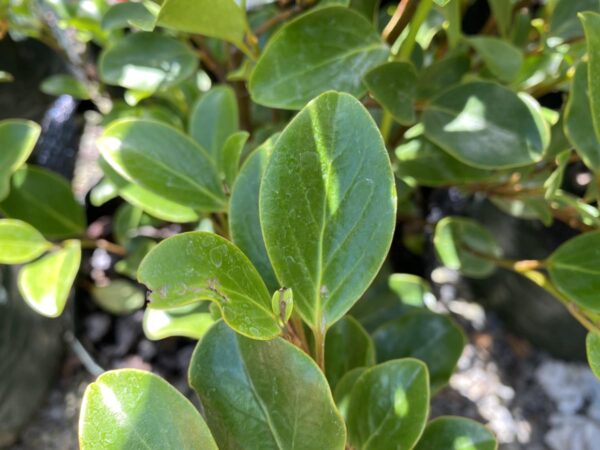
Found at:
[328, 206]
[192, 321]
[64, 85]
[232, 153]
[196, 266]
[296, 66]
[591, 26]
[456, 433]
[263, 395]
[132, 409]
[592, 344]
[501, 58]
[441, 75]
[343, 390]
[564, 23]
[126, 220]
[502, 10]
[20, 242]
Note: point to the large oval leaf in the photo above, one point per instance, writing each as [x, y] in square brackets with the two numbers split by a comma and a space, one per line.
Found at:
[296, 67]
[263, 395]
[486, 125]
[17, 140]
[456, 433]
[389, 405]
[164, 161]
[133, 409]
[45, 200]
[196, 266]
[147, 62]
[575, 270]
[244, 220]
[45, 284]
[328, 206]
[20, 242]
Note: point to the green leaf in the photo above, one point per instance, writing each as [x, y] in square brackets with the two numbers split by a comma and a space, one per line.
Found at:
[45, 200]
[456, 433]
[343, 390]
[192, 321]
[486, 125]
[501, 58]
[462, 243]
[196, 266]
[389, 406]
[133, 409]
[592, 345]
[125, 15]
[575, 270]
[147, 62]
[137, 248]
[222, 19]
[502, 10]
[244, 220]
[213, 119]
[564, 23]
[347, 347]
[45, 284]
[591, 26]
[17, 140]
[393, 85]
[151, 203]
[126, 219]
[432, 338]
[411, 289]
[164, 161]
[263, 395]
[328, 206]
[296, 67]
[20, 242]
[118, 297]
[441, 75]
[232, 153]
[65, 85]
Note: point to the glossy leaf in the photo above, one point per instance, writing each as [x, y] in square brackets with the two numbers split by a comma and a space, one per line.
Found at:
[328, 206]
[575, 270]
[432, 338]
[592, 344]
[64, 85]
[17, 140]
[45, 284]
[131, 409]
[389, 405]
[343, 390]
[411, 289]
[441, 75]
[296, 67]
[192, 321]
[244, 220]
[213, 119]
[124, 15]
[164, 161]
[119, 297]
[20, 242]
[45, 200]
[222, 19]
[146, 62]
[501, 58]
[196, 266]
[487, 126]
[393, 85]
[232, 154]
[263, 395]
[462, 244]
[347, 347]
[591, 26]
[456, 433]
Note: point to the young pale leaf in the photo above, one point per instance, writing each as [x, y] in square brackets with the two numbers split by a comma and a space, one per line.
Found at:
[192, 321]
[591, 26]
[347, 347]
[17, 140]
[198, 265]
[45, 284]
[45, 200]
[411, 289]
[389, 406]
[213, 119]
[244, 220]
[296, 67]
[432, 338]
[133, 409]
[501, 58]
[124, 15]
[222, 19]
[164, 161]
[263, 395]
[20, 242]
[441, 75]
[462, 244]
[578, 124]
[486, 125]
[575, 270]
[65, 85]
[232, 153]
[456, 433]
[393, 85]
[146, 62]
[592, 345]
[328, 206]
